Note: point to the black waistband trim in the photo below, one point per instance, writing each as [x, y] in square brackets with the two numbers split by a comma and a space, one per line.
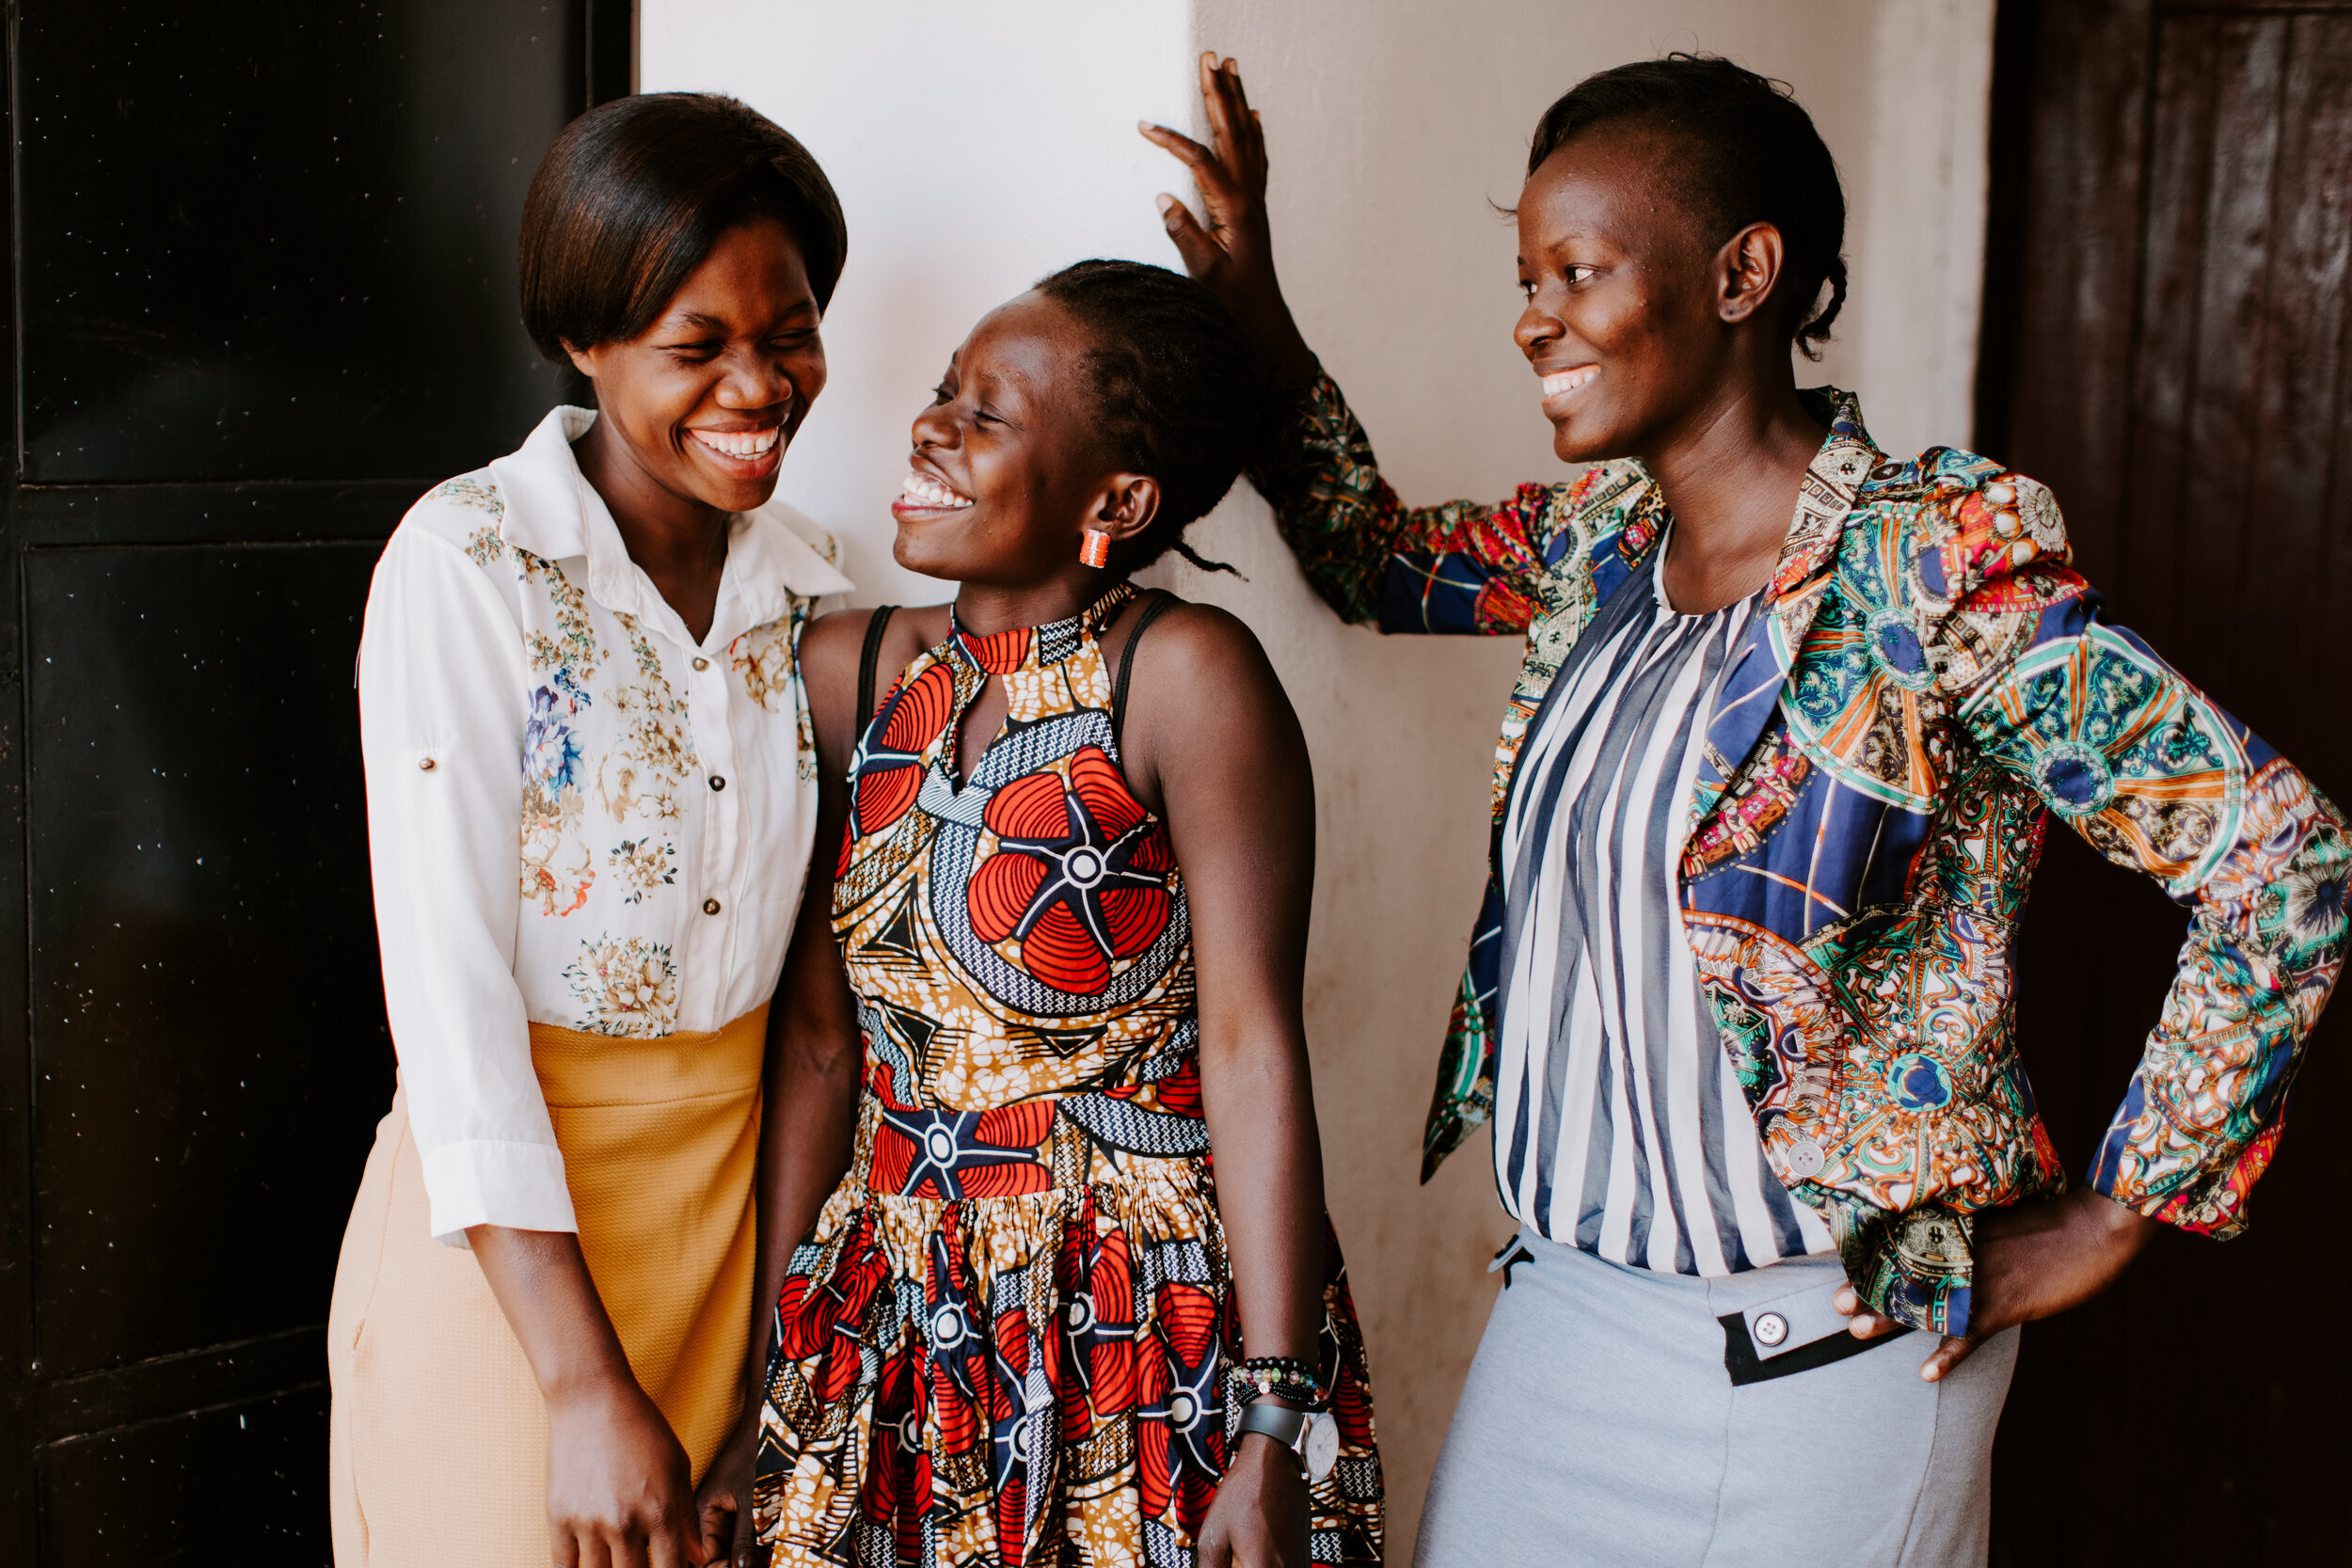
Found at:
[1745, 1366]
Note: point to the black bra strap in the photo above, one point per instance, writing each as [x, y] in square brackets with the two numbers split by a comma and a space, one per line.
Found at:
[1127, 661]
[874, 629]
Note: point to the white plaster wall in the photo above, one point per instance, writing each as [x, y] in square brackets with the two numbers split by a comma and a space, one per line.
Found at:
[1916, 235]
[976, 148]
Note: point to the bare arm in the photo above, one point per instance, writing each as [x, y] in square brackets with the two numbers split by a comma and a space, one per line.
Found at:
[812, 1085]
[619, 1490]
[815, 1050]
[1211, 737]
[809, 1086]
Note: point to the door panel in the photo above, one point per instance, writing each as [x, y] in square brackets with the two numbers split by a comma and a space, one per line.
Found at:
[277, 239]
[264, 297]
[240, 1485]
[208, 1022]
[2166, 346]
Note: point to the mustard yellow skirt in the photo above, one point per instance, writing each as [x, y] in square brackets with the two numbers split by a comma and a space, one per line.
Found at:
[438, 1441]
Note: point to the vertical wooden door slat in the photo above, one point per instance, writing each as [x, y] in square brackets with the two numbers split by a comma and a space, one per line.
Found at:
[2194, 160]
[2083, 87]
[2143, 575]
[2088, 104]
[2327, 639]
[2287, 523]
[2247, 72]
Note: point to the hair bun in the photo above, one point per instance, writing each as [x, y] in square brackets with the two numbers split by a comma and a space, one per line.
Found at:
[1178, 389]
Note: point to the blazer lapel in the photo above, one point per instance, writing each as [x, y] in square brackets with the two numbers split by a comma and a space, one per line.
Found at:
[1760, 666]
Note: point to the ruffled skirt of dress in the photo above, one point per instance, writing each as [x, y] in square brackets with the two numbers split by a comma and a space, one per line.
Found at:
[1028, 1380]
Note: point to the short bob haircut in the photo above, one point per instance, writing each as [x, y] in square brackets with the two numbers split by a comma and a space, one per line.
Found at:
[633, 196]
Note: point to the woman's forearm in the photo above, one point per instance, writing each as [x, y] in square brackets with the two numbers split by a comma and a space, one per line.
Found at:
[1211, 727]
[809, 1126]
[541, 1280]
[808, 1095]
[1269, 1184]
[616, 1469]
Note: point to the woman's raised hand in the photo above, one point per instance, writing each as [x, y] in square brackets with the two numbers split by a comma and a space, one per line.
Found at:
[1230, 246]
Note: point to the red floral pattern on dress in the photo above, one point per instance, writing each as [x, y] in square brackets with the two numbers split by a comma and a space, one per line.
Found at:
[890, 771]
[1080, 876]
[1180, 1440]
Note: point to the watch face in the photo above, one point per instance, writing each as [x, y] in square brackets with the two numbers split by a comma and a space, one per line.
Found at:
[1319, 1445]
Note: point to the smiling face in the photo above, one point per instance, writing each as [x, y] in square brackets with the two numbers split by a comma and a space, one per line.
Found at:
[1007, 472]
[1625, 322]
[704, 403]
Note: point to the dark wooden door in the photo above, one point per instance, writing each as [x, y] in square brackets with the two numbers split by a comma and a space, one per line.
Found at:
[2166, 345]
[263, 295]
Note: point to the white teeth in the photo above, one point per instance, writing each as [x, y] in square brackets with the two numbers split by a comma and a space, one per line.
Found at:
[923, 490]
[741, 443]
[1561, 383]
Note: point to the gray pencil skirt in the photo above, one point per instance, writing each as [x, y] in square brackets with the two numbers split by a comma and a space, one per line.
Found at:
[1601, 1425]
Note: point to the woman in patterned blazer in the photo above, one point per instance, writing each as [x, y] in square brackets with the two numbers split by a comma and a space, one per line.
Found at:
[1794, 717]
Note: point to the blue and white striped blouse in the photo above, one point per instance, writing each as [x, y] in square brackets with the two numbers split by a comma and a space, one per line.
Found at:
[1619, 1125]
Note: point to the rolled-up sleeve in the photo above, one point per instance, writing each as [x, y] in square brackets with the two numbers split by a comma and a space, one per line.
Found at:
[441, 722]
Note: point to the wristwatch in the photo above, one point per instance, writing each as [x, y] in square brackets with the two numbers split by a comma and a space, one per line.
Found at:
[1311, 1434]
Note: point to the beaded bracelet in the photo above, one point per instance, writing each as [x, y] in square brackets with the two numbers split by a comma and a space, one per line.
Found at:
[1283, 1377]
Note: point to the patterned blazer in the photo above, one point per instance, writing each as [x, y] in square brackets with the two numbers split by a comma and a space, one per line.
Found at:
[1928, 682]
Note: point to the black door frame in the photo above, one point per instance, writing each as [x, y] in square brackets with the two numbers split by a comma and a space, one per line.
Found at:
[38, 1410]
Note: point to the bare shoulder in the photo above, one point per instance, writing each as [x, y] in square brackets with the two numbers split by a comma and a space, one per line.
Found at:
[1201, 649]
[1210, 735]
[1201, 670]
[831, 645]
[912, 629]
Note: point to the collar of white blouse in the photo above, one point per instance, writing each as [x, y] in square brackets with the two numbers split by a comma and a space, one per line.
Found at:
[553, 512]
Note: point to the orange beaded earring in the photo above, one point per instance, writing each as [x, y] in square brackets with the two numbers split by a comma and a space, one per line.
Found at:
[1094, 548]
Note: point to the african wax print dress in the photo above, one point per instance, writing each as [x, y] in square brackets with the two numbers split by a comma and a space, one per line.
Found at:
[1006, 1341]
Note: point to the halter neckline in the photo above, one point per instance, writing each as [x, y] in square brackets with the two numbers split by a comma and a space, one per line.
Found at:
[1001, 652]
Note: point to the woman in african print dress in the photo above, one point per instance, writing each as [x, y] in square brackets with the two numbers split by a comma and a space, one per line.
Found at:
[1030, 1325]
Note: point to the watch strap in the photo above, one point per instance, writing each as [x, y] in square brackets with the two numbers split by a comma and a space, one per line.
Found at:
[1286, 1425]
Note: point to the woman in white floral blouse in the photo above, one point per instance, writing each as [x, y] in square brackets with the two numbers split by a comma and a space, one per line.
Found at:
[587, 760]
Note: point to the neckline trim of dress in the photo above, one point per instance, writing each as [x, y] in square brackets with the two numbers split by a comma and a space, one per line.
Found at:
[1054, 643]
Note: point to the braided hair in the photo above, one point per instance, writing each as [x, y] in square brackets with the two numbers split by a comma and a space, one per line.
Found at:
[1746, 153]
[1177, 390]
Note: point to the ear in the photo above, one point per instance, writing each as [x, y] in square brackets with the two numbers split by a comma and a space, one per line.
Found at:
[1124, 506]
[583, 361]
[1746, 269]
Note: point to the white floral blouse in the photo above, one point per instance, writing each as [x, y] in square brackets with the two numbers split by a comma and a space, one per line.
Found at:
[577, 814]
